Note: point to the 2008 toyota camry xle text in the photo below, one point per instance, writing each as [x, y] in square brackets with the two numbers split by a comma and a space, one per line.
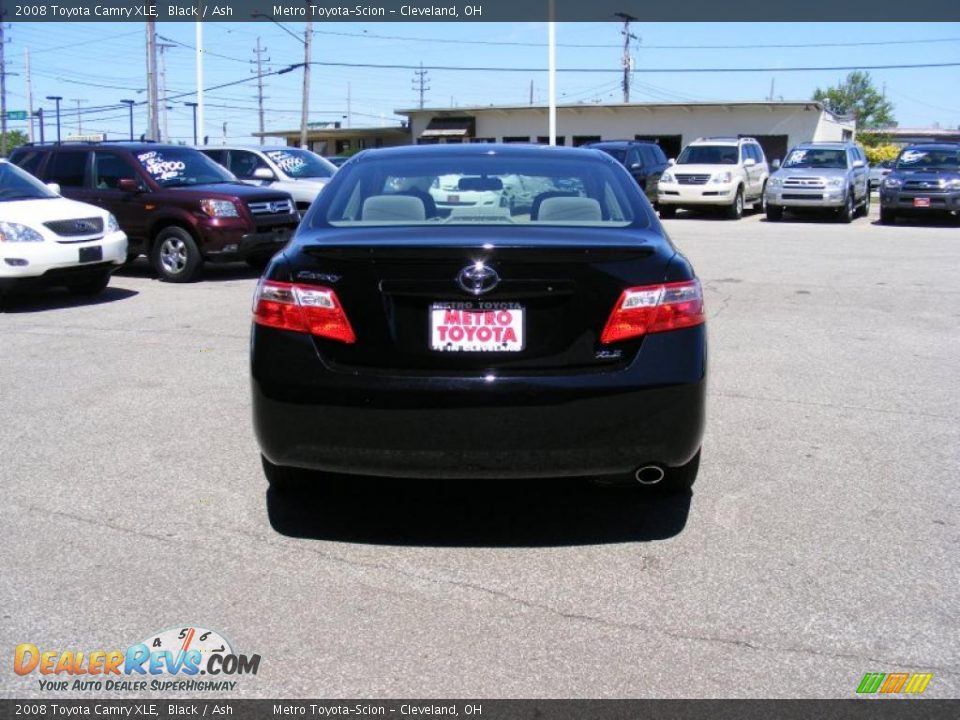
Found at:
[481, 311]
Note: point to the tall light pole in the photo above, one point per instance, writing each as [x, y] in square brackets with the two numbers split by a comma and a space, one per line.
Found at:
[552, 75]
[130, 104]
[57, 99]
[194, 106]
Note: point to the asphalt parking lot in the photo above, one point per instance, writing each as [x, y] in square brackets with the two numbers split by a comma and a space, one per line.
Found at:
[820, 543]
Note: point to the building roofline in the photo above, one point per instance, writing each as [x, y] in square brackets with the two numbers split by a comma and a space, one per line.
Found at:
[614, 106]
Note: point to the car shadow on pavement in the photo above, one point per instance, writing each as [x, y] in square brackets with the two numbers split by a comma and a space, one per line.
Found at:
[212, 272]
[923, 221]
[38, 300]
[458, 513]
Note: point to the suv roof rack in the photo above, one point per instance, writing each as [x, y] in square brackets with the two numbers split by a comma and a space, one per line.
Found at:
[729, 138]
[46, 143]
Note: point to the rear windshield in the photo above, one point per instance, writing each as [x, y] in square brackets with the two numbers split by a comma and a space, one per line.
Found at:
[942, 160]
[816, 158]
[709, 155]
[489, 189]
[182, 167]
[299, 163]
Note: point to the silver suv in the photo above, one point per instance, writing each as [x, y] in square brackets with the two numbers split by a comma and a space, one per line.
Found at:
[821, 175]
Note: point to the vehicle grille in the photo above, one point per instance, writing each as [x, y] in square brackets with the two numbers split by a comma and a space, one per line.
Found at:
[271, 207]
[692, 179]
[924, 185]
[807, 183]
[805, 196]
[74, 228]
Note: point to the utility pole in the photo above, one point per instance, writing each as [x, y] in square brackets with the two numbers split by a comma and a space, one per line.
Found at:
[153, 126]
[3, 93]
[26, 59]
[259, 61]
[420, 82]
[162, 91]
[772, 81]
[349, 112]
[79, 101]
[627, 60]
[198, 111]
[305, 111]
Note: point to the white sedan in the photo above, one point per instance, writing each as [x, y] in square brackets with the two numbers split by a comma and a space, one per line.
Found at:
[48, 240]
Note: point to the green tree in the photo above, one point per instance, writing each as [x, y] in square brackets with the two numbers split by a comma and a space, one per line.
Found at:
[15, 138]
[857, 96]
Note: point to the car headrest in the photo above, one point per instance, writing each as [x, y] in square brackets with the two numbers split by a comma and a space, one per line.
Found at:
[577, 209]
[386, 208]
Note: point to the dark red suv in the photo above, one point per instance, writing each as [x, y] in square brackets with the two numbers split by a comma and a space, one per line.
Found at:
[176, 205]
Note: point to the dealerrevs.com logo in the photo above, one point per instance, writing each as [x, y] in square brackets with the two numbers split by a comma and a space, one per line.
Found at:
[179, 659]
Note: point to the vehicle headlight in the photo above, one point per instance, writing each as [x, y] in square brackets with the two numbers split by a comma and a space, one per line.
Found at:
[219, 208]
[667, 178]
[774, 182]
[892, 182]
[722, 177]
[953, 184]
[112, 224]
[835, 181]
[15, 232]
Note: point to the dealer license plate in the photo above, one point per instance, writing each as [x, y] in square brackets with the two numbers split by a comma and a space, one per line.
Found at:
[91, 254]
[476, 327]
[921, 202]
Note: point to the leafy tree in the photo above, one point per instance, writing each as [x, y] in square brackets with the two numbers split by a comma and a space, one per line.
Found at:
[857, 96]
[15, 138]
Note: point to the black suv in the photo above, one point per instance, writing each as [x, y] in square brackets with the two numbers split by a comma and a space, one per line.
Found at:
[645, 161]
[925, 180]
[175, 204]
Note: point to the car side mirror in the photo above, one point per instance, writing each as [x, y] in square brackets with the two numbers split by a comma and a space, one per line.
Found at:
[671, 162]
[749, 162]
[55, 187]
[128, 185]
[636, 166]
[858, 163]
[775, 164]
[262, 173]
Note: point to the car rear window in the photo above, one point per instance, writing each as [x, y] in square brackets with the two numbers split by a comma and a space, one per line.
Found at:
[489, 189]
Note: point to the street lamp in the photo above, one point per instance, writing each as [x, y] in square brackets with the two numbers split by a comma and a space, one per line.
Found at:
[307, 42]
[194, 106]
[130, 104]
[57, 99]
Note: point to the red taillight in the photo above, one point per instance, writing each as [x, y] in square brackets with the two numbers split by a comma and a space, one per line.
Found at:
[302, 308]
[654, 308]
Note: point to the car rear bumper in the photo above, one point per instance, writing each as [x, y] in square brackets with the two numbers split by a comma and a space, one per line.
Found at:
[477, 426]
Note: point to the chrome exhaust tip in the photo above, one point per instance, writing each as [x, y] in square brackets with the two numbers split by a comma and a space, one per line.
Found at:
[649, 475]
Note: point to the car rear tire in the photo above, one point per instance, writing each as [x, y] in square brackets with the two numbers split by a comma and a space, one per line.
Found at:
[667, 211]
[281, 478]
[735, 210]
[93, 285]
[175, 256]
[681, 479]
[887, 216]
[774, 213]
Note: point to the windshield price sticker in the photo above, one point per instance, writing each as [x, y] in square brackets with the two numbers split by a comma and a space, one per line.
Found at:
[497, 328]
[159, 168]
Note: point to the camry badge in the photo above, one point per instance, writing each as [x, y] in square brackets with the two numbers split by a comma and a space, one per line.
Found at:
[478, 279]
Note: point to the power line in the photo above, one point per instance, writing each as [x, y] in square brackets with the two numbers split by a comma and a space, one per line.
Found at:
[648, 47]
[453, 68]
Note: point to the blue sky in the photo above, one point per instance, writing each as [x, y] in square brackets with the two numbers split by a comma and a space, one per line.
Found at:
[102, 63]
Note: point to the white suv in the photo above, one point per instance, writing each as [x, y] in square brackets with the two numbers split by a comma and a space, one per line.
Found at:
[48, 240]
[301, 173]
[715, 172]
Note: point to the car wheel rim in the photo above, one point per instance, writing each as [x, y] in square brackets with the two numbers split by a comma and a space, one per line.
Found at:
[173, 255]
[739, 204]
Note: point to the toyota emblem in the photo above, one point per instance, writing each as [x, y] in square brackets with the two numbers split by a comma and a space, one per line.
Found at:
[84, 226]
[478, 279]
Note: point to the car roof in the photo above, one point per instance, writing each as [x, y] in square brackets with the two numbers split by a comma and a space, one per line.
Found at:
[471, 149]
[721, 140]
[618, 143]
[933, 146]
[838, 145]
[120, 145]
[253, 148]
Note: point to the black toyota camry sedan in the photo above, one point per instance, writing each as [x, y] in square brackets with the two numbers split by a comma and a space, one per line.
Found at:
[481, 311]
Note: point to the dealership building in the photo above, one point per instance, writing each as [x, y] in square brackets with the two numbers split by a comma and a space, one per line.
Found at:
[776, 125]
